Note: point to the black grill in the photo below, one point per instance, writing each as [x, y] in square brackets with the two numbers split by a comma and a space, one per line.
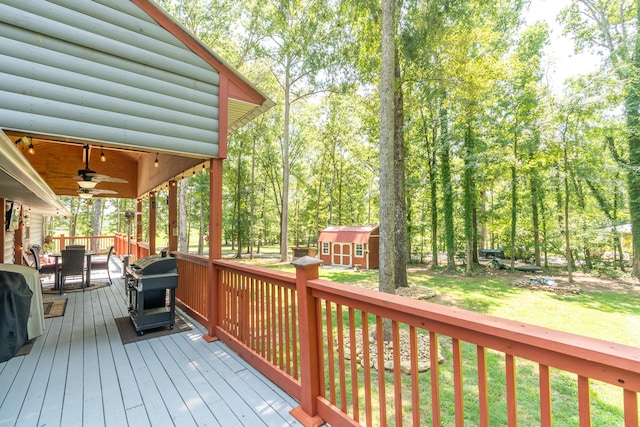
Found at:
[151, 282]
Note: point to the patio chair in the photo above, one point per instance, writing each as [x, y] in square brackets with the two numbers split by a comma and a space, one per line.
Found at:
[102, 263]
[74, 247]
[72, 265]
[47, 269]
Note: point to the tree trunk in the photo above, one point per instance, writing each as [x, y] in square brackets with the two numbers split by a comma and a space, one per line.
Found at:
[400, 214]
[239, 205]
[183, 235]
[469, 198]
[535, 195]
[252, 201]
[284, 218]
[535, 218]
[430, 148]
[544, 234]
[202, 226]
[433, 189]
[632, 102]
[567, 239]
[387, 199]
[447, 198]
[616, 236]
[514, 202]
[96, 223]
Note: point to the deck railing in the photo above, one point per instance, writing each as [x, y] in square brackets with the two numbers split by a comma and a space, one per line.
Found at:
[192, 291]
[135, 248]
[317, 339]
[97, 244]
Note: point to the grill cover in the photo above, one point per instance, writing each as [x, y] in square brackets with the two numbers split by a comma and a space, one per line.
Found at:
[15, 305]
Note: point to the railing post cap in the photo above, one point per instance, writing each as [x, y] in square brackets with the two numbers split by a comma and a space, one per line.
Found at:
[306, 261]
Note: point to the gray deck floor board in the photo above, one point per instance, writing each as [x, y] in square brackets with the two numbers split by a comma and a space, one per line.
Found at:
[79, 374]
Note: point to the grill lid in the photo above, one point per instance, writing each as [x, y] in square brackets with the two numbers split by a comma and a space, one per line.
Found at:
[155, 264]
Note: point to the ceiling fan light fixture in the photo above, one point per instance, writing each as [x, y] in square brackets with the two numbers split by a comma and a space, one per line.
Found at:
[87, 184]
[85, 195]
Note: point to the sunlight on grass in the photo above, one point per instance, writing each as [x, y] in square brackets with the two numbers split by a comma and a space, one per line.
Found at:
[603, 315]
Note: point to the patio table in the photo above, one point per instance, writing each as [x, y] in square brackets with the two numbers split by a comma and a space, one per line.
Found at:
[87, 279]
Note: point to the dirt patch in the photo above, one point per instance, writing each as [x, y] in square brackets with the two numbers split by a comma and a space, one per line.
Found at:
[422, 357]
[546, 284]
[588, 283]
[625, 284]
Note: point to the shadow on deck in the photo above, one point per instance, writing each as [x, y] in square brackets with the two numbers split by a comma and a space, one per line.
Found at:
[80, 373]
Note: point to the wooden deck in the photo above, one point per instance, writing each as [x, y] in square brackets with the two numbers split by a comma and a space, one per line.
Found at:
[80, 374]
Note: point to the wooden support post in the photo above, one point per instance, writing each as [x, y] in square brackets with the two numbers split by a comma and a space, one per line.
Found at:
[307, 412]
[138, 228]
[215, 246]
[152, 223]
[173, 216]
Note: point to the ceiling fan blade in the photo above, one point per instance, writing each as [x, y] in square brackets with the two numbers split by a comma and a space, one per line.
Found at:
[104, 178]
[96, 191]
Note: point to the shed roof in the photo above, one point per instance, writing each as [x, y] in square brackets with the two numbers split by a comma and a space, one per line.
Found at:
[348, 234]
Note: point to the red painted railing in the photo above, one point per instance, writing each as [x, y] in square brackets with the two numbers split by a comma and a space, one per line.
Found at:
[316, 340]
[97, 244]
[191, 293]
[136, 249]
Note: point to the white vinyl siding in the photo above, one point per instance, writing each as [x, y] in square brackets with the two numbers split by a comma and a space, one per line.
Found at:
[104, 71]
[36, 228]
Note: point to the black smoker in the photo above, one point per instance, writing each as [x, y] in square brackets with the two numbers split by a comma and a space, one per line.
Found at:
[148, 280]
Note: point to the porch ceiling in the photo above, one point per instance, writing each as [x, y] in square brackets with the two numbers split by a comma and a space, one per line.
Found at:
[58, 162]
[123, 77]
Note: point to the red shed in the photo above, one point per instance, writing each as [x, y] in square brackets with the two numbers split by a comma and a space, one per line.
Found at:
[353, 246]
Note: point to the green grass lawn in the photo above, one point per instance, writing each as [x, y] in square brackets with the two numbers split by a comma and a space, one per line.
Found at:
[612, 316]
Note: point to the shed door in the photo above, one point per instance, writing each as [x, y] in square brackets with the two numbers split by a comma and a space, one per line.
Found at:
[341, 254]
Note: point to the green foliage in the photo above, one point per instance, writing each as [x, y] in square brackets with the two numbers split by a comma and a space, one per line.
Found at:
[472, 74]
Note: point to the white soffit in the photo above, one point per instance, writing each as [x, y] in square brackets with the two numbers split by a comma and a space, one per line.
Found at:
[20, 183]
[104, 71]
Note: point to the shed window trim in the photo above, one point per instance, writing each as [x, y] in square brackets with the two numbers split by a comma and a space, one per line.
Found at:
[325, 248]
[359, 250]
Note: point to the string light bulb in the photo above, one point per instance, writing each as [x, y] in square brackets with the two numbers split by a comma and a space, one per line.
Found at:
[155, 164]
[32, 149]
[102, 156]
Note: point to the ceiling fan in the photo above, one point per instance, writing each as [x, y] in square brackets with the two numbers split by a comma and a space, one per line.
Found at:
[85, 193]
[88, 178]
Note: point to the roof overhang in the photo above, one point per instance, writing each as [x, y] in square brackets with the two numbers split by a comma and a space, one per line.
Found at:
[123, 77]
[19, 182]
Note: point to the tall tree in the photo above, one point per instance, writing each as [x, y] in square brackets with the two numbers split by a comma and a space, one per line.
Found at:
[612, 27]
[298, 41]
[387, 108]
